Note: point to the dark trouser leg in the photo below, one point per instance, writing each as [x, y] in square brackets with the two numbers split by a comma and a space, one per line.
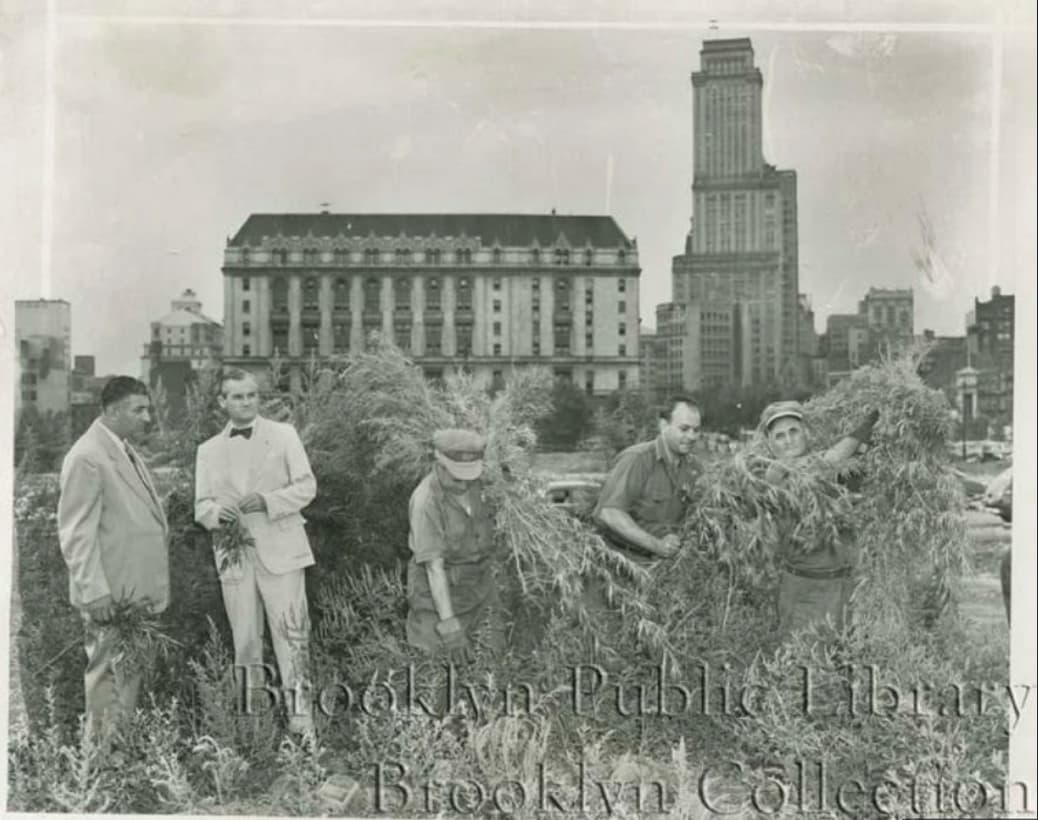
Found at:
[804, 602]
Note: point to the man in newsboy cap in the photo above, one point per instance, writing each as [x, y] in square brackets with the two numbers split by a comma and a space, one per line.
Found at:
[817, 580]
[450, 582]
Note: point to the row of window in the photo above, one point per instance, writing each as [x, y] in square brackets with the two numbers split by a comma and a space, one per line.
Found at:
[401, 295]
[431, 256]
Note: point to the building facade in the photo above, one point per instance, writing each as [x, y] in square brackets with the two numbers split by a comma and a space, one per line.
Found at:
[85, 394]
[43, 337]
[480, 292]
[185, 334]
[890, 317]
[742, 250]
[990, 330]
[944, 357]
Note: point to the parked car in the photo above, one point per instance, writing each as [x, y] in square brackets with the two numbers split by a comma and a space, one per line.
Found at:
[575, 495]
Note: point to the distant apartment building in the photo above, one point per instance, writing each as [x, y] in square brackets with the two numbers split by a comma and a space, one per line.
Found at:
[889, 315]
[648, 360]
[741, 255]
[184, 335]
[480, 292]
[990, 331]
[847, 344]
[43, 338]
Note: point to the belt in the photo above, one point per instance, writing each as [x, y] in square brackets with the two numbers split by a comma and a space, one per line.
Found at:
[817, 574]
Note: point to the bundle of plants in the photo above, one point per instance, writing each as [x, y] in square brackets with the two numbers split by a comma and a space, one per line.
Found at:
[138, 637]
[904, 519]
[230, 541]
[383, 403]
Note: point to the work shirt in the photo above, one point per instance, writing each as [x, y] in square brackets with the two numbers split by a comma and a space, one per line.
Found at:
[652, 485]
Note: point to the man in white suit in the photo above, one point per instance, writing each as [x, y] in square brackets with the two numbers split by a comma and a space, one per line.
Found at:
[113, 535]
[256, 472]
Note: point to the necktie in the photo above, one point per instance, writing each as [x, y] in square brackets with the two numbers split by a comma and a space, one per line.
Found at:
[245, 432]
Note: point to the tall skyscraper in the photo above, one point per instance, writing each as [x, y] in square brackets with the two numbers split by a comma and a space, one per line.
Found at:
[43, 337]
[741, 252]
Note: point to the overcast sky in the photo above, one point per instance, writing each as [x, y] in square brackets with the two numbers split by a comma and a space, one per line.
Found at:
[168, 136]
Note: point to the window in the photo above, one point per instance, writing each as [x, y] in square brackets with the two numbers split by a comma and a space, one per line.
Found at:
[536, 342]
[246, 306]
[311, 334]
[433, 294]
[623, 329]
[341, 337]
[403, 256]
[589, 257]
[497, 380]
[432, 256]
[402, 335]
[371, 256]
[621, 257]
[497, 284]
[497, 306]
[372, 294]
[279, 337]
[562, 338]
[245, 256]
[463, 256]
[246, 350]
[497, 328]
[464, 294]
[535, 256]
[561, 256]
[497, 348]
[402, 294]
[589, 341]
[279, 256]
[341, 294]
[433, 339]
[621, 285]
[246, 328]
[341, 256]
[309, 256]
[621, 379]
[311, 295]
[589, 382]
[536, 285]
[497, 256]
[622, 305]
[622, 350]
[279, 295]
[463, 339]
[246, 284]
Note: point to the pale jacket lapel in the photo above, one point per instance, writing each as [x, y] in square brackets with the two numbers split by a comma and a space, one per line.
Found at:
[127, 473]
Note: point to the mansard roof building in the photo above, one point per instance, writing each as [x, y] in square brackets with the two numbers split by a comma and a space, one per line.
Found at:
[483, 292]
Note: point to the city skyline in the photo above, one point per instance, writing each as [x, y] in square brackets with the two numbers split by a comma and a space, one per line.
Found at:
[268, 119]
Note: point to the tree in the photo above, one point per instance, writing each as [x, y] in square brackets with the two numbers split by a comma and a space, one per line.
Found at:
[571, 417]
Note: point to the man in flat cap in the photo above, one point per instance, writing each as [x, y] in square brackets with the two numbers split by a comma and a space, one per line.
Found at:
[648, 489]
[817, 579]
[450, 582]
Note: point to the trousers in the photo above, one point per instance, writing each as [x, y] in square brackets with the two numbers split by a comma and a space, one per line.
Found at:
[804, 602]
[247, 595]
[110, 697]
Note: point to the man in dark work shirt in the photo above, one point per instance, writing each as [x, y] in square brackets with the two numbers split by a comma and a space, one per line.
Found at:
[648, 490]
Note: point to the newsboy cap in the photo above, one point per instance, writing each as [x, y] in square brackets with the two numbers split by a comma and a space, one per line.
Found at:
[460, 452]
[780, 410]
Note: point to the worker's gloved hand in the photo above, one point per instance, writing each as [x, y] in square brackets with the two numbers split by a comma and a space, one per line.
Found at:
[863, 432]
[455, 641]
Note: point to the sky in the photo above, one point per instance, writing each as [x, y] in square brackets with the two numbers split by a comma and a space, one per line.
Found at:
[167, 136]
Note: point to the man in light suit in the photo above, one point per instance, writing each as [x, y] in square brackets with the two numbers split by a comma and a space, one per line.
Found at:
[113, 536]
[256, 472]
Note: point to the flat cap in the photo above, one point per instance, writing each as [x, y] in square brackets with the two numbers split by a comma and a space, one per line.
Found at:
[460, 452]
[463, 442]
[780, 410]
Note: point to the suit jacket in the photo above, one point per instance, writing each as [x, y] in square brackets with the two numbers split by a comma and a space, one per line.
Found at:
[278, 470]
[113, 532]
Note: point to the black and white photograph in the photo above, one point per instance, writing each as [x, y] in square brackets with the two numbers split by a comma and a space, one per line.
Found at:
[519, 409]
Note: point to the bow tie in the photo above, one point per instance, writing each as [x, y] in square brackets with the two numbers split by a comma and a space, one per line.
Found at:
[241, 431]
